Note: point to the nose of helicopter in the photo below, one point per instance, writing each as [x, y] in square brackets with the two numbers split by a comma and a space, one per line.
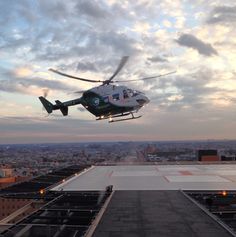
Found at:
[143, 101]
[146, 100]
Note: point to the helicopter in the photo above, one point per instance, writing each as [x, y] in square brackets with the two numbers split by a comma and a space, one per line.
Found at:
[106, 101]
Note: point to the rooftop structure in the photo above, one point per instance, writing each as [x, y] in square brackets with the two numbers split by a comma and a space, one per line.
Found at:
[142, 200]
[42, 183]
[68, 214]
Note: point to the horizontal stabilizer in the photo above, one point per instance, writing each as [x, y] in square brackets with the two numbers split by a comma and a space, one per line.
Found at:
[62, 107]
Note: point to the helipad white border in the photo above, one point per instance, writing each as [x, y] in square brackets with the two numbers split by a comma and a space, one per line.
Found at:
[63, 184]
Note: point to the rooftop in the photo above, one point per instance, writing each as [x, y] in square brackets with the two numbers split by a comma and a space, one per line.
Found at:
[68, 214]
[156, 213]
[154, 177]
[166, 200]
[33, 186]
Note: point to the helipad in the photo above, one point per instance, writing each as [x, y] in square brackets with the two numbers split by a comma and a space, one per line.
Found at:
[154, 177]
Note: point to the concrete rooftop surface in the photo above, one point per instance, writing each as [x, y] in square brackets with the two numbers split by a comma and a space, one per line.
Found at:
[154, 177]
[155, 214]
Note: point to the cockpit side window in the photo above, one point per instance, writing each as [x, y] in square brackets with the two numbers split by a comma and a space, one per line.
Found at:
[125, 93]
[116, 97]
[135, 93]
[131, 93]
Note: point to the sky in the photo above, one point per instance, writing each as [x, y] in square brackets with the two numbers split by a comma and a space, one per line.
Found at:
[87, 38]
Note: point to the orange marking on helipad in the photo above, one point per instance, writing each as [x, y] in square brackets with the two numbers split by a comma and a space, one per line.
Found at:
[185, 172]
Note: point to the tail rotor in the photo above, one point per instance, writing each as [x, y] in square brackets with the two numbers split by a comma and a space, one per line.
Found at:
[45, 92]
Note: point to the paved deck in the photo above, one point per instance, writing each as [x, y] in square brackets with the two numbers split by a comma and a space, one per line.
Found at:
[154, 177]
[155, 213]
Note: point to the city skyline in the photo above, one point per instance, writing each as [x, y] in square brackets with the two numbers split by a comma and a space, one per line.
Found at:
[88, 38]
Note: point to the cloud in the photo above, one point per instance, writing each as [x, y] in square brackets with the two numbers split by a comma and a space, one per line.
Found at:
[192, 90]
[23, 71]
[91, 37]
[193, 42]
[17, 82]
[91, 9]
[32, 86]
[86, 66]
[81, 109]
[56, 10]
[157, 59]
[41, 129]
[222, 15]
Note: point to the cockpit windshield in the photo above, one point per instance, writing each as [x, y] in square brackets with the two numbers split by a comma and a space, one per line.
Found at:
[133, 92]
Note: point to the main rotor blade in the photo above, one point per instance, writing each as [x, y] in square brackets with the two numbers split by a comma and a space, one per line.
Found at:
[123, 61]
[73, 77]
[148, 78]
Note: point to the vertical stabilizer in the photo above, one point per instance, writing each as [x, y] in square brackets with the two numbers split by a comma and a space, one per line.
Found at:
[46, 104]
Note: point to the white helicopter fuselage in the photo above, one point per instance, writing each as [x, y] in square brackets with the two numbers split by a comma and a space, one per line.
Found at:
[121, 96]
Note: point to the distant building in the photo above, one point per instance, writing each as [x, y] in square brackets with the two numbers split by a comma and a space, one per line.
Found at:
[4, 182]
[6, 172]
[208, 155]
[151, 149]
[228, 157]
[8, 176]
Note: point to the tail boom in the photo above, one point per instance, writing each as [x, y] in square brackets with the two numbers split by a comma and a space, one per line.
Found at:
[62, 106]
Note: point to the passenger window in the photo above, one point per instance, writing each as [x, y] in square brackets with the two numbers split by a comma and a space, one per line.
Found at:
[125, 93]
[115, 97]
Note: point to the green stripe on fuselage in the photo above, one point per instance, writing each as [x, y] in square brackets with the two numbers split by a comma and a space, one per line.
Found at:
[97, 105]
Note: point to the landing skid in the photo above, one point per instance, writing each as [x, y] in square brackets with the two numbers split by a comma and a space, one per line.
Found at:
[120, 115]
[119, 120]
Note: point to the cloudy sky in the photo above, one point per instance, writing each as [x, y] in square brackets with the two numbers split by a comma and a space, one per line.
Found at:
[87, 38]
